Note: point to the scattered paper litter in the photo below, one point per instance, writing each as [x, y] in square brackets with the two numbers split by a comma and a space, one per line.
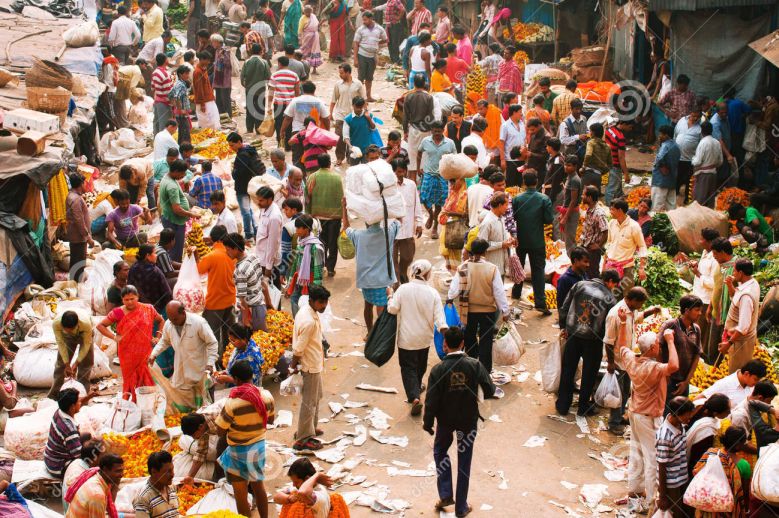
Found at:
[581, 422]
[495, 418]
[374, 388]
[378, 419]
[401, 440]
[485, 507]
[537, 377]
[523, 377]
[535, 441]
[283, 418]
[568, 485]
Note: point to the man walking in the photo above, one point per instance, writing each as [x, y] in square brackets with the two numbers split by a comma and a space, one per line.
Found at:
[532, 210]
[479, 287]
[368, 39]
[419, 113]
[72, 329]
[123, 36]
[324, 192]
[452, 402]
[344, 93]
[582, 323]
[665, 170]
[410, 225]
[595, 231]
[309, 359]
[195, 348]
[741, 322]
[161, 83]
[615, 138]
[78, 227]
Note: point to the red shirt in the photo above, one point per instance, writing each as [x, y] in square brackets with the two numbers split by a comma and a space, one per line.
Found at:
[456, 69]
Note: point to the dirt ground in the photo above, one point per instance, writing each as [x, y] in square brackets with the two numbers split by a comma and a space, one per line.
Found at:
[532, 475]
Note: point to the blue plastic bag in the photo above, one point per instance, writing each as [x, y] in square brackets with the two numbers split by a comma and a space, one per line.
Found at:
[452, 320]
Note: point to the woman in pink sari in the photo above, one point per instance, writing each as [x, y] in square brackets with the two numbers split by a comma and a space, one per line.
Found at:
[134, 326]
[308, 32]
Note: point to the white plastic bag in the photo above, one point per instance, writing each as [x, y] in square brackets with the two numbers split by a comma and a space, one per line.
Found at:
[609, 394]
[26, 436]
[508, 349]
[765, 476]
[710, 490]
[220, 498]
[188, 288]
[551, 365]
[292, 386]
[125, 417]
[71, 383]
[83, 35]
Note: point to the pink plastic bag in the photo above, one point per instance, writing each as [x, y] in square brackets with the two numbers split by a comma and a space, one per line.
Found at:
[320, 136]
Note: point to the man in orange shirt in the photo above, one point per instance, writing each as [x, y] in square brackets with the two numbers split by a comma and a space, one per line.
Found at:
[205, 101]
[220, 290]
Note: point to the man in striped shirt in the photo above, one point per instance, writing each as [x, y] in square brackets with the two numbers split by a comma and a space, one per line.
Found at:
[615, 138]
[161, 84]
[158, 498]
[64, 443]
[250, 289]
[284, 86]
[671, 451]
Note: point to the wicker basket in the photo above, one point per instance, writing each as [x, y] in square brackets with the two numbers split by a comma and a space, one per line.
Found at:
[48, 100]
[47, 74]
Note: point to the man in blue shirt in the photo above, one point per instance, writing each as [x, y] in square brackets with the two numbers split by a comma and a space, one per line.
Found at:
[373, 253]
[664, 171]
[358, 126]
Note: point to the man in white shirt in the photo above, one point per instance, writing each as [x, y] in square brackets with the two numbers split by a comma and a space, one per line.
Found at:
[419, 310]
[344, 92]
[163, 141]
[270, 221]
[411, 225]
[477, 195]
[703, 283]
[739, 385]
[156, 46]
[196, 352]
[512, 135]
[224, 215]
[708, 157]
[124, 35]
[478, 126]
[741, 320]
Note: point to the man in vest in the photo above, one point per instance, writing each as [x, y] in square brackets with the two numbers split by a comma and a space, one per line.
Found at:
[741, 322]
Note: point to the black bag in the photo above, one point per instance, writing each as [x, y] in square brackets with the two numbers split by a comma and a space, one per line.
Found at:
[380, 345]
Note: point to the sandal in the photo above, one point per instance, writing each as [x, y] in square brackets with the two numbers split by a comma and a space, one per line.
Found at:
[444, 502]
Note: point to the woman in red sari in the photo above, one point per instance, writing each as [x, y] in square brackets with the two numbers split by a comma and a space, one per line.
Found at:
[337, 14]
[134, 325]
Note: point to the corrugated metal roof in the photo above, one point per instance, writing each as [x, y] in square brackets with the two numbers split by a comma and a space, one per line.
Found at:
[694, 5]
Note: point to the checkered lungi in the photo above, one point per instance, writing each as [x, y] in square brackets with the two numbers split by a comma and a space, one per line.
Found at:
[375, 296]
[434, 190]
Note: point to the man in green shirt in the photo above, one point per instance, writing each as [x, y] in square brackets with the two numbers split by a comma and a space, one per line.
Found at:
[324, 192]
[532, 210]
[72, 329]
[174, 206]
[752, 225]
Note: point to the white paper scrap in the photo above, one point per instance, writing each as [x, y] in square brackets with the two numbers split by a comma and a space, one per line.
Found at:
[535, 441]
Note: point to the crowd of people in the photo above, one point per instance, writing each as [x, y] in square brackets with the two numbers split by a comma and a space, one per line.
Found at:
[539, 164]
